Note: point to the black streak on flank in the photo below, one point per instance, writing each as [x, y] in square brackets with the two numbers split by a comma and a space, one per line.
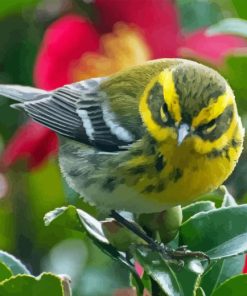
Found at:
[160, 187]
[110, 184]
[150, 188]
[175, 175]
[215, 153]
[159, 163]
[137, 170]
[220, 153]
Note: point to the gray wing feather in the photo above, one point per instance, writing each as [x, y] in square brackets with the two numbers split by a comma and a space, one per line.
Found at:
[58, 112]
[20, 93]
[75, 111]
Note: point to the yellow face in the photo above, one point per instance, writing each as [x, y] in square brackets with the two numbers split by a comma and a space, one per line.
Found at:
[193, 105]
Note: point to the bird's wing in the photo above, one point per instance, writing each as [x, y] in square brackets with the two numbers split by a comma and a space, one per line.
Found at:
[79, 112]
[20, 93]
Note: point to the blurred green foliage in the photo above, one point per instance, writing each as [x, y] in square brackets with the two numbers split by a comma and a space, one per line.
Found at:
[32, 194]
[198, 14]
[240, 7]
[15, 6]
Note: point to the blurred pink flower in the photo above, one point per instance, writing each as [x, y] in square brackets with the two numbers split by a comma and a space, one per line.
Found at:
[64, 43]
[127, 33]
[245, 265]
[139, 269]
[32, 142]
[157, 20]
[149, 24]
[210, 49]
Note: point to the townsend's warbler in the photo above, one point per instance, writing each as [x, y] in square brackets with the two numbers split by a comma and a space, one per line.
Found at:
[145, 139]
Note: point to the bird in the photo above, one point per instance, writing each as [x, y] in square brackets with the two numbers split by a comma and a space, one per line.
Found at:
[145, 139]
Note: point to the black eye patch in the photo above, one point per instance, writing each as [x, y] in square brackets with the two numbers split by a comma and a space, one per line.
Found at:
[222, 123]
[156, 102]
[169, 120]
[165, 108]
[204, 127]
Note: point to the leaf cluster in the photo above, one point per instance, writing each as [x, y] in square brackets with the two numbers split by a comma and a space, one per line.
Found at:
[219, 231]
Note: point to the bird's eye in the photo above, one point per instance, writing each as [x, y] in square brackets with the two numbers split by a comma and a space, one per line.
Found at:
[208, 127]
[164, 113]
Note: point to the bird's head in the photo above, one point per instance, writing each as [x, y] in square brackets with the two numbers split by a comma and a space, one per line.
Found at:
[193, 105]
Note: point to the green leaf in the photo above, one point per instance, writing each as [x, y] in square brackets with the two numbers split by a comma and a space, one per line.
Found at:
[220, 197]
[232, 26]
[159, 270]
[92, 226]
[194, 208]
[13, 6]
[220, 233]
[241, 8]
[234, 65]
[137, 283]
[65, 217]
[5, 272]
[234, 286]
[46, 284]
[228, 200]
[76, 219]
[220, 271]
[216, 197]
[189, 275]
[186, 279]
[13, 264]
[146, 280]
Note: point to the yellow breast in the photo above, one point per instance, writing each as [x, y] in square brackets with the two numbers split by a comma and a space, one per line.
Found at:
[183, 174]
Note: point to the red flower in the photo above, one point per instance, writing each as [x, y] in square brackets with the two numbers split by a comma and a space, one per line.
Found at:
[157, 20]
[32, 142]
[74, 49]
[63, 44]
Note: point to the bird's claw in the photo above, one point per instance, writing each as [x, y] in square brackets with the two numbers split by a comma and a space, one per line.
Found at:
[182, 252]
[178, 255]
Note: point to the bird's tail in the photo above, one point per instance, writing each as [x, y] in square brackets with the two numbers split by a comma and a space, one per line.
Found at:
[20, 93]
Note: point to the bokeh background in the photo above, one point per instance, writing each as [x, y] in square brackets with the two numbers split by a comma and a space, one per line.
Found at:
[50, 43]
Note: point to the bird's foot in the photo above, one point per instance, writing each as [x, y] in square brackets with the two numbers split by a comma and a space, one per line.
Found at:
[172, 255]
[182, 253]
[178, 255]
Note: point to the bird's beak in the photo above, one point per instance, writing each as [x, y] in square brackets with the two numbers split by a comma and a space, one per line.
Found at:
[182, 132]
